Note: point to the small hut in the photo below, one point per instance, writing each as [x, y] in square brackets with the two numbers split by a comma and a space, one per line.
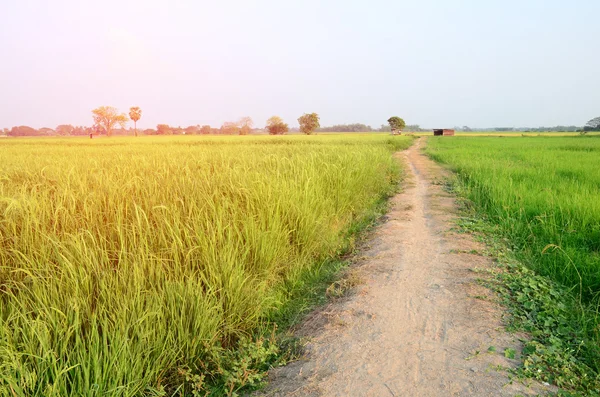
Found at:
[443, 132]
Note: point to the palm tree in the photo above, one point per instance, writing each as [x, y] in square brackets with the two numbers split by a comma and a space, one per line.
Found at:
[135, 113]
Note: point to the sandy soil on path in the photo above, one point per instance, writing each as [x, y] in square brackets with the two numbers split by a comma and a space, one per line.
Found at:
[415, 325]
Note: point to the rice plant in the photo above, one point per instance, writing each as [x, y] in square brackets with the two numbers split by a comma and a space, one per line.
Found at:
[147, 267]
[544, 195]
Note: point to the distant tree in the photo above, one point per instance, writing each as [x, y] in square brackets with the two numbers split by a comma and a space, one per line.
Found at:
[23, 130]
[592, 125]
[413, 128]
[396, 123]
[230, 128]
[46, 131]
[107, 117]
[149, 131]
[163, 129]
[354, 127]
[64, 129]
[192, 130]
[135, 113]
[80, 131]
[309, 122]
[276, 126]
[385, 128]
[177, 130]
[205, 130]
[245, 125]
[121, 131]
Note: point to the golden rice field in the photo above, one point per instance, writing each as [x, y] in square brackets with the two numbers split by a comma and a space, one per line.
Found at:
[154, 266]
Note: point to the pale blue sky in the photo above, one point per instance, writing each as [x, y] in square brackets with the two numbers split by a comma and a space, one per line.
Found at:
[433, 62]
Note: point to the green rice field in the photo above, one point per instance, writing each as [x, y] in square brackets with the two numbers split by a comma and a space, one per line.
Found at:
[153, 267]
[543, 194]
[542, 191]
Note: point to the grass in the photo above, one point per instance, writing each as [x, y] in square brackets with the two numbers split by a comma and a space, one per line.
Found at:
[158, 266]
[540, 197]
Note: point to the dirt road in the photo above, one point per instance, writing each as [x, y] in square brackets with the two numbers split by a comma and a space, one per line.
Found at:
[416, 326]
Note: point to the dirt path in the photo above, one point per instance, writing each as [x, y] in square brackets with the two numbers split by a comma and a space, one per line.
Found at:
[414, 326]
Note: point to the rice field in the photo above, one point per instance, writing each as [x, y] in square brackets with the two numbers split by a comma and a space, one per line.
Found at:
[542, 191]
[543, 194]
[152, 267]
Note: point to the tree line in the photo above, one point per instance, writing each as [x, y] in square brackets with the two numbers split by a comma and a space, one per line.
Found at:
[557, 128]
[109, 121]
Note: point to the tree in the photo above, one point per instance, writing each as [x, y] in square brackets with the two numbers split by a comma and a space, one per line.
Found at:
[592, 125]
[23, 130]
[46, 131]
[192, 130]
[163, 129]
[276, 126]
[413, 128]
[107, 117]
[64, 129]
[385, 128]
[80, 130]
[355, 127]
[230, 128]
[135, 113]
[309, 122]
[245, 124]
[205, 130]
[396, 123]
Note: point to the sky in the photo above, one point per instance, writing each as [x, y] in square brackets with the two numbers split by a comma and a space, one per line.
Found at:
[436, 63]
